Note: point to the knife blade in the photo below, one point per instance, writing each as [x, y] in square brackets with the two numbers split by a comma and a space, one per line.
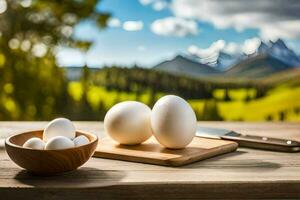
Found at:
[251, 141]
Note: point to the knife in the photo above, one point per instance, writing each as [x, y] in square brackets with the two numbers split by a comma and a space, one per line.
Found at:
[252, 141]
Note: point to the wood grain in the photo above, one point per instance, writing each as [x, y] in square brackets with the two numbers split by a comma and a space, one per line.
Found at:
[48, 162]
[152, 152]
[243, 174]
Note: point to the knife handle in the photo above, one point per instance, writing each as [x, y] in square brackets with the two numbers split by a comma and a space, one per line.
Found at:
[266, 143]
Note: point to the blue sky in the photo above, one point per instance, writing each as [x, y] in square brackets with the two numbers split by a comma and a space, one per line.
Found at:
[147, 46]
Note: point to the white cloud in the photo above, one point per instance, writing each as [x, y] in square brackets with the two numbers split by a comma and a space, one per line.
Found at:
[248, 47]
[133, 25]
[232, 48]
[273, 18]
[145, 2]
[127, 25]
[159, 5]
[251, 45]
[211, 51]
[289, 30]
[173, 26]
[114, 22]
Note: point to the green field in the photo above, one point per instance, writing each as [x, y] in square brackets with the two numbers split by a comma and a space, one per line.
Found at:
[280, 99]
[97, 95]
[280, 102]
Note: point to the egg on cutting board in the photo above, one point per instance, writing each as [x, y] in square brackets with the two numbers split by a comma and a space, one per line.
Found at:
[80, 140]
[128, 122]
[34, 143]
[173, 122]
[59, 142]
[59, 127]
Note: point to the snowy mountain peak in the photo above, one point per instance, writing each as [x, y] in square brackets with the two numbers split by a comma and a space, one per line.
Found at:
[280, 44]
[280, 51]
[222, 60]
[263, 48]
[225, 60]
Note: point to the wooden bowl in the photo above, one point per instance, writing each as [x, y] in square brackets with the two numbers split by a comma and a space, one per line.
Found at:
[48, 162]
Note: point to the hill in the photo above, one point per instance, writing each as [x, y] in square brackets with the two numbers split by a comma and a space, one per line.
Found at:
[290, 77]
[258, 66]
[184, 66]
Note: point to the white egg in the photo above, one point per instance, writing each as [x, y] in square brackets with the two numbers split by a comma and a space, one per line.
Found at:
[34, 143]
[128, 122]
[59, 142]
[80, 140]
[59, 127]
[173, 122]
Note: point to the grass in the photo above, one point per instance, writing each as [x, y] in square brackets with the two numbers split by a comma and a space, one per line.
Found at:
[281, 99]
[235, 94]
[98, 94]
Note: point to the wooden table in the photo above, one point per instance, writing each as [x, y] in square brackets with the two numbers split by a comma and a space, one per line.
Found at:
[246, 173]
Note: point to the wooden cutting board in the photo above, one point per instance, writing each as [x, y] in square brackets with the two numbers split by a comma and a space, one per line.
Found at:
[153, 153]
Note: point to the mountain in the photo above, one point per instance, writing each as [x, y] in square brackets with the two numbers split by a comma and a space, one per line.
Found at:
[261, 64]
[262, 49]
[182, 65]
[269, 58]
[258, 66]
[220, 61]
[277, 50]
[225, 60]
[280, 51]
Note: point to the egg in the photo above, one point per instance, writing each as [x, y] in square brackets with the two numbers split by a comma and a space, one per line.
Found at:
[173, 122]
[34, 143]
[59, 142]
[80, 140]
[59, 127]
[128, 122]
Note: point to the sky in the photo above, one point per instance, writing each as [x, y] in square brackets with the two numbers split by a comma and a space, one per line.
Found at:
[147, 32]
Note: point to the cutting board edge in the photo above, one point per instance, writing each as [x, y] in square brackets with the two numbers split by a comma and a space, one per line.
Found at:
[177, 162]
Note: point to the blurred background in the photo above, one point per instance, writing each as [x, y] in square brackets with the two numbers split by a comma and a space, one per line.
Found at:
[232, 60]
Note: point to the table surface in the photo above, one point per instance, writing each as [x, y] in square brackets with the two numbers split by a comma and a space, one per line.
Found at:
[246, 173]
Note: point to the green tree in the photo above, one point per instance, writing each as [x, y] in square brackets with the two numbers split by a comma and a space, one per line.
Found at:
[31, 84]
[282, 115]
[269, 118]
[248, 96]
[297, 110]
[211, 111]
[226, 95]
